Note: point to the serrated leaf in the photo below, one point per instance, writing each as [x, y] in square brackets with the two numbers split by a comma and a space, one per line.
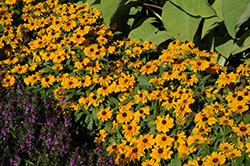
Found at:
[195, 7]
[178, 23]
[232, 10]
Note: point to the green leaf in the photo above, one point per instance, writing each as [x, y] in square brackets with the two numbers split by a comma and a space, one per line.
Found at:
[78, 116]
[217, 6]
[109, 126]
[146, 31]
[178, 23]
[112, 10]
[143, 81]
[244, 16]
[114, 100]
[94, 110]
[195, 7]
[90, 2]
[242, 44]
[68, 97]
[177, 160]
[219, 97]
[225, 49]
[128, 99]
[232, 10]
[209, 24]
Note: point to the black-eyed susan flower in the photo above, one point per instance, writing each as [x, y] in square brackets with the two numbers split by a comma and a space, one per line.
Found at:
[140, 97]
[85, 81]
[112, 149]
[134, 153]
[233, 154]
[151, 162]
[159, 153]
[141, 113]
[199, 65]
[124, 116]
[146, 141]
[163, 140]
[164, 123]
[105, 80]
[94, 99]
[104, 114]
[105, 90]
[131, 129]
[148, 68]
[32, 79]
[100, 137]
[8, 81]
[215, 159]
[70, 82]
[242, 129]
[48, 81]
[183, 151]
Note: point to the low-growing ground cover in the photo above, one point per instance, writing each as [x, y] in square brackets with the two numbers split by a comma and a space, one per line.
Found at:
[144, 106]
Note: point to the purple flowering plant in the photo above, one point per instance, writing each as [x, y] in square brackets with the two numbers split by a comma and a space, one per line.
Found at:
[33, 132]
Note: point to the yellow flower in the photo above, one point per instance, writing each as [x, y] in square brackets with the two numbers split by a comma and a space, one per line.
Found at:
[164, 123]
[104, 114]
[159, 153]
[47, 81]
[146, 141]
[215, 159]
[8, 81]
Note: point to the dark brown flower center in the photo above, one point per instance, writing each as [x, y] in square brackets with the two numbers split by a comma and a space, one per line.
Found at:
[104, 113]
[164, 138]
[145, 140]
[243, 128]
[160, 150]
[164, 121]
[215, 160]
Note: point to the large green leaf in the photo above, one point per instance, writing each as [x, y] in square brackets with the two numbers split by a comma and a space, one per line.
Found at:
[225, 48]
[209, 24]
[146, 31]
[244, 16]
[178, 23]
[232, 9]
[195, 7]
[112, 10]
[242, 44]
[217, 6]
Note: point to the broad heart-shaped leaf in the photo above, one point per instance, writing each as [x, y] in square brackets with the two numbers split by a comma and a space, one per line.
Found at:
[210, 23]
[195, 7]
[146, 31]
[242, 44]
[178, 23]
[232, 9]
[217, 6]
[244, 16]
[225, 49]
[112, 10]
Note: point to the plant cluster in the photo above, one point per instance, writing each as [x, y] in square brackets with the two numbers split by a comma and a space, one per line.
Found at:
[176, 107]
[33, 134]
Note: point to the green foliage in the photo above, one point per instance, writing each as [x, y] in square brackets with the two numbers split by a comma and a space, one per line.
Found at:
[220, 25]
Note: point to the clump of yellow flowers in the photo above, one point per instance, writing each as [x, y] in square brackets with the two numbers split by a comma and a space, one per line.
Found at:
[148, 109]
